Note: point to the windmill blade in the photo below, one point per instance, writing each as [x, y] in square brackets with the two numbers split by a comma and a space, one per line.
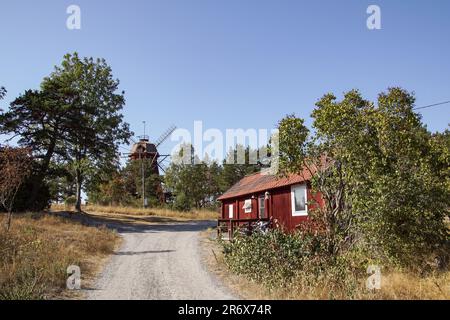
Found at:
[163, 157]
[165, 135]
[163, 170]
[132, 140]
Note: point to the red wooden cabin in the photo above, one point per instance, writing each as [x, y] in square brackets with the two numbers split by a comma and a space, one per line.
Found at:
[260, 196]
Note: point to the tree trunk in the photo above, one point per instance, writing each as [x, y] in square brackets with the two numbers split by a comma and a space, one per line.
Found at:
[78, 182]
[8, 220]
[37, 181]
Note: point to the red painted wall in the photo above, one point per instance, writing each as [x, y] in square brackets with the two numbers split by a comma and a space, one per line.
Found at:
[278, 206]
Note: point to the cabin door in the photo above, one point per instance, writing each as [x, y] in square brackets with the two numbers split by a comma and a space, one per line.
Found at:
[230, 211]
[262, 207]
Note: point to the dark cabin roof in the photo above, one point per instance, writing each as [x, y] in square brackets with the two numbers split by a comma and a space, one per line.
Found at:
[260, 182]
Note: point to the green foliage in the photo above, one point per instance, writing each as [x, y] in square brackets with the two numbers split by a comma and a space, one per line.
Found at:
[73, 121]
[183, 202]
[198, 183]
[382, 175]
[286, 261]
[70, 201]
[113, 191]
[132, 179]
[95, 118]
[233, 171]
[293, 135]
[23, 202]
[124, 186]
[194, 184]
[270, 258]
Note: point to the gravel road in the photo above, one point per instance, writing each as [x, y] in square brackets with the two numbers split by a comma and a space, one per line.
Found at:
[159, 261]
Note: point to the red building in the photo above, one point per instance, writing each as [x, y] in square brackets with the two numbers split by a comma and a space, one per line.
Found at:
[262, 196]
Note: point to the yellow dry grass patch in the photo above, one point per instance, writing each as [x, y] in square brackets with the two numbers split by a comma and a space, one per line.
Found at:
[37, 250]
[157, 212]
[409, 286]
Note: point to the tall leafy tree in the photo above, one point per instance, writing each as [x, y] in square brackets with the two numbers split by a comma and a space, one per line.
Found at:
[194, 184]
[75, 119]
[129, 181]
[95, 123]
[38, 119]
[380, 172]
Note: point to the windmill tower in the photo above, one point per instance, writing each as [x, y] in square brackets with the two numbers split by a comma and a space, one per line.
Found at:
[147, 152]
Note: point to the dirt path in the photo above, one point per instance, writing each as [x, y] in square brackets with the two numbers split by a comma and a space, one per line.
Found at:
[158, 261]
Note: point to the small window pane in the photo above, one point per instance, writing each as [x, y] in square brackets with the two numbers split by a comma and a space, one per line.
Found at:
[262, 209]
[300, 201]
[248, 206]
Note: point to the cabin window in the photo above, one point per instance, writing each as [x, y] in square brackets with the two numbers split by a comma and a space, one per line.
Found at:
[248, 206]
[230, 211]
[262, 207]
[299, 200]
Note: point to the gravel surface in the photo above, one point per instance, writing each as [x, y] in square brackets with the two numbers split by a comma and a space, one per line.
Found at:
[159, 261]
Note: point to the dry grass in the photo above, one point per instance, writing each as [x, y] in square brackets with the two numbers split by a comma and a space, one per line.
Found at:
[394, 285]
[409, 286]
[158, 212]
[242, 288]
[37, 250]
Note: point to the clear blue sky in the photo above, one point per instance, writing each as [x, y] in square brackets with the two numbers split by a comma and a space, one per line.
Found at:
[235, 63]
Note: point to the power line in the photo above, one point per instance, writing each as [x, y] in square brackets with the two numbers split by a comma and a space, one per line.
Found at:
[432, 105]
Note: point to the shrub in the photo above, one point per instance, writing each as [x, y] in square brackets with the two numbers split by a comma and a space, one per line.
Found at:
[24, 203]
[273, 258]
[296, 262]
[70, 201]
[182, 203]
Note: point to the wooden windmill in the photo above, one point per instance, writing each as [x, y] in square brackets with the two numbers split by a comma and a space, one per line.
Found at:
[145, 151]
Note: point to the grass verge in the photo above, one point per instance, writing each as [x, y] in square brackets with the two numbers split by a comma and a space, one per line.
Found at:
[160, 212]
[242, 288]
[35, 254]
[272, 268]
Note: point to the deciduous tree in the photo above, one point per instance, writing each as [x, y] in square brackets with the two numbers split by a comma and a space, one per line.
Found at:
[74, 119]
[96, 123]
[381, 173]
[15, 166]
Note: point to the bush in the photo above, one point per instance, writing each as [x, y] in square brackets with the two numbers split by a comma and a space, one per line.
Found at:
[23, 202]
[295, 262]
[182, 203]
[70, 201]
[273, 258]
[298, 265]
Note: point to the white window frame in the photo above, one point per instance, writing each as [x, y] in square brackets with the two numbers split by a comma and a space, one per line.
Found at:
[230, 211]
[247, 206]
[300, 213]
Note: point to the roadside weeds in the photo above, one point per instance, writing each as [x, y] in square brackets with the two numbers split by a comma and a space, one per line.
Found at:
[39, 248]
